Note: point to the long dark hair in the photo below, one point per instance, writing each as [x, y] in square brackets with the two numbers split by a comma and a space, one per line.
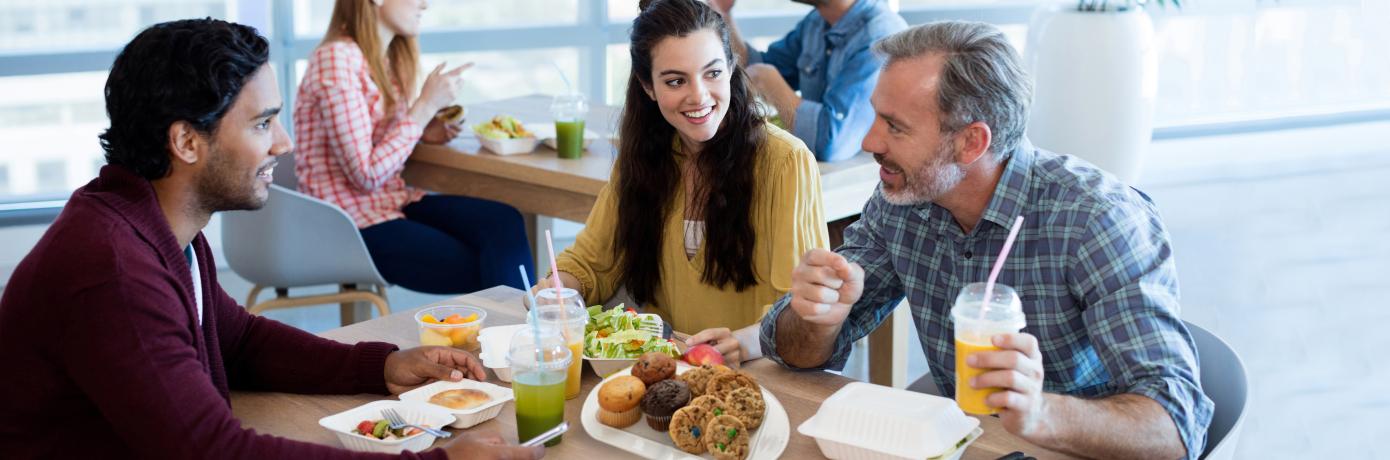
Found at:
[648, 173]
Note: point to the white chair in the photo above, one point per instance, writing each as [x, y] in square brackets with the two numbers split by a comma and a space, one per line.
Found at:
[296, 241]
[1224, 381]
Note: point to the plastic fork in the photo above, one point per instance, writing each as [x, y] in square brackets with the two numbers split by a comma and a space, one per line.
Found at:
[397, 422]
[651, 324]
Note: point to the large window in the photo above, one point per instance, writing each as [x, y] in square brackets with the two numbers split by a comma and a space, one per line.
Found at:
[1261, 60]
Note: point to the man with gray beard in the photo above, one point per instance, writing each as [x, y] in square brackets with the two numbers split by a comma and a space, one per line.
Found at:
[1104, 368]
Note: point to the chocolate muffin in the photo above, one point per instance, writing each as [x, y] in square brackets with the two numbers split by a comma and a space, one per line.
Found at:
[662, 400]
[654, 367]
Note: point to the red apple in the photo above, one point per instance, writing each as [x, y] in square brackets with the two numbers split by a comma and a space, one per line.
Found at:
[702, 354]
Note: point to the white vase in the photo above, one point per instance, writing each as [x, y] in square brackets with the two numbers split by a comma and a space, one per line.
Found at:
[1095, 81]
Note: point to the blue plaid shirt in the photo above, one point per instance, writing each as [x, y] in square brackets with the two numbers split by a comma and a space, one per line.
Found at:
[835, 71]
[1092, 265]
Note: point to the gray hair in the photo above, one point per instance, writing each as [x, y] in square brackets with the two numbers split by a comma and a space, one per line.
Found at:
[982, 78]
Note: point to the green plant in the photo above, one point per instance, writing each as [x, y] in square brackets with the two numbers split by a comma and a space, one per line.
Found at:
[1122, 5]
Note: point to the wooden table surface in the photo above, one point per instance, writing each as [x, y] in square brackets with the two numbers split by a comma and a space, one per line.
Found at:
[541, 183]
[296, 416]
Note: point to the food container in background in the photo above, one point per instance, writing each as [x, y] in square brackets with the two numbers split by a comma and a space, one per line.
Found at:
[452, 326]
[465, 417]
[516, 146]
[866, 421]
[419, 413]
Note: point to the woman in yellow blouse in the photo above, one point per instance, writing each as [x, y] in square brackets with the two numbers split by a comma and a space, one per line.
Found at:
[709, 208]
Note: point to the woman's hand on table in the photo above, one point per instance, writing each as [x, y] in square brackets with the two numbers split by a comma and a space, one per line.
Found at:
[474, 445]
[440, 132]
[407, 369]
[723, 341]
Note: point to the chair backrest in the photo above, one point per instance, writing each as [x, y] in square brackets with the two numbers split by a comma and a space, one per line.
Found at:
[296, 240]
[1224, 381]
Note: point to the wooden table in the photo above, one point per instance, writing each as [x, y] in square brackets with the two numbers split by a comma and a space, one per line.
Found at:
[296, 416]
[542, 186]
[540, 183]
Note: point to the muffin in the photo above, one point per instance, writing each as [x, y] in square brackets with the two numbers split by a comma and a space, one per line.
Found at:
[727, 438]
[618, 401]
[654, 367]
[747, 404]
[460, 399]
[720, 385]
[687, 427]
[662, 400]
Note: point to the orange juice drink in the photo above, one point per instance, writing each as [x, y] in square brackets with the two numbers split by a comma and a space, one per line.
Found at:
[973, 333]
[565, 311]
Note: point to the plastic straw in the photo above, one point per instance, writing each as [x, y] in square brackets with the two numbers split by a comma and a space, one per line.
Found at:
[535, 320]
[999, 264]
[569, 89]
[555, 279]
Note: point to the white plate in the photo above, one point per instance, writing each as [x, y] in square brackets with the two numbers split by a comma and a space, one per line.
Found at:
[465, 417]
[767, 442]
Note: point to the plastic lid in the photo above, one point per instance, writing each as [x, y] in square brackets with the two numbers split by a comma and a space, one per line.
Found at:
[549, 346]
[550, 311]
[1003, 314]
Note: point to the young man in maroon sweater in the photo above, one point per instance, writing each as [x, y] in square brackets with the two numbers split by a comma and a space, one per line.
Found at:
[118, 340]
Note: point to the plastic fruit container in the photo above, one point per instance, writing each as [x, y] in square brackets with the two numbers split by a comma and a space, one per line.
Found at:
[451, 326]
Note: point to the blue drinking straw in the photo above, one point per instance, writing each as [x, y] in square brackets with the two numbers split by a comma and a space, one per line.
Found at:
[534, 319]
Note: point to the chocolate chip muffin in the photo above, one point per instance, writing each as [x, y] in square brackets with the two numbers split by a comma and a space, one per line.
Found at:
[654, 367]
[662, 400]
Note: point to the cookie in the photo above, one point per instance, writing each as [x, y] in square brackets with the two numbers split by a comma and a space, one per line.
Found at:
[720, 385]
[654, 367]
[747, 404]
[696, 378]
[713, 407]
[688, 427]
[726, 438]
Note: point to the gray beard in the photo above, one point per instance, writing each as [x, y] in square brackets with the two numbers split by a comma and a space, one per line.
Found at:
[930, 181]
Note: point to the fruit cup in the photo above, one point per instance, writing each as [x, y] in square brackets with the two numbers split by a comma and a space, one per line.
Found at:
[451, 326]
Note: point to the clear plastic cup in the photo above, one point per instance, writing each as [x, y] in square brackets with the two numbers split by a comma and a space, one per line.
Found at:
[539, 360]
[973, 334]
[569, 111]
[451, 326]
[565, 311]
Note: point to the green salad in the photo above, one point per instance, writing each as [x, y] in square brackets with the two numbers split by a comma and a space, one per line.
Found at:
[617, 334]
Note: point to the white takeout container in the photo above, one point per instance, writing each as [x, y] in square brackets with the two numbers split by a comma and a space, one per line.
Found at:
[866, 421]
[465, 417]
[495, 341]
[509, 146]
[418, 413]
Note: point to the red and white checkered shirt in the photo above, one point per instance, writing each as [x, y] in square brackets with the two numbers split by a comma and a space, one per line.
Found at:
[348, 151]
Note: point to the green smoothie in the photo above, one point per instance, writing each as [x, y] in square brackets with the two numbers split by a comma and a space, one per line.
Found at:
[540, 403]
[569, 138]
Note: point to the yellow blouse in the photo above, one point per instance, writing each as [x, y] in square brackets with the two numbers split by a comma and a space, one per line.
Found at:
[788, 220]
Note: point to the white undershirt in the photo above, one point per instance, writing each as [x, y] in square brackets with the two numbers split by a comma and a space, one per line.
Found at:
[197, 283]
[694, 237]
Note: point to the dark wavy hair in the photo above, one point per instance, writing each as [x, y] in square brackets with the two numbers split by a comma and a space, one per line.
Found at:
[648, 175]
[189, 70]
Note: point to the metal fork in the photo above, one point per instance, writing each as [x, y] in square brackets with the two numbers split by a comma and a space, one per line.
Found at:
[397, 422]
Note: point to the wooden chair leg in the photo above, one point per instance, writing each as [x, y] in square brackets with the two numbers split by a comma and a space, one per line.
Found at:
[347, 311]
[251, 299]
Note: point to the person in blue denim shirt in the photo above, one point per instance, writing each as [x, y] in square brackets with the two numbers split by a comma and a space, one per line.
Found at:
[827, 58]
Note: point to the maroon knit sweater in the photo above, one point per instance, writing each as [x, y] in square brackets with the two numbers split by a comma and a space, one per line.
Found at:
[104, 358]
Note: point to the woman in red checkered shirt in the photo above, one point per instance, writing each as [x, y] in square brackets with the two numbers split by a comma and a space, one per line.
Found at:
[357, 119]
